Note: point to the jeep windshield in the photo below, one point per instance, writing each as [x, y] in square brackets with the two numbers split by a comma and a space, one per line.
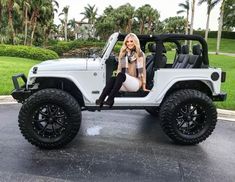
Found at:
[107, 44]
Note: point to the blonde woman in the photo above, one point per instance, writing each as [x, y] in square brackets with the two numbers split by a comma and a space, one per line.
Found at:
[131, 72]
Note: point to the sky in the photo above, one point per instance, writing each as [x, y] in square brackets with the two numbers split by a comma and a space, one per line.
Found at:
[167, 8]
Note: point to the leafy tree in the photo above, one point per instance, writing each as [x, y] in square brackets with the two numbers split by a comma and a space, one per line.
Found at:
[74, 25]
[174, 24]
[210, 5]
[65, 12]
[229, 15]
[41, 11]
[147, 17]
[105, 24]
[123, 17]
[90, 13]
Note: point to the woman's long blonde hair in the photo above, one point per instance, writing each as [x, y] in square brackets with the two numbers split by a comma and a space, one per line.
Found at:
[136, 44]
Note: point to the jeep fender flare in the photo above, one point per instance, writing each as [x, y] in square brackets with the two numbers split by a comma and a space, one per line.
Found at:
[56, 78]
[204, 86]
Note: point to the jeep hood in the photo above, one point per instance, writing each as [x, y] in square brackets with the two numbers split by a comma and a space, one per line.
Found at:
[69, 64]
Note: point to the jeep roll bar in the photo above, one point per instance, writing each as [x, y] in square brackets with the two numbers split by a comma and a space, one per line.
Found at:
[160, 39]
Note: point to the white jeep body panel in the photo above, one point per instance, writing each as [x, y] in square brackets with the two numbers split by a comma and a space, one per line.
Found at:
[89, 75]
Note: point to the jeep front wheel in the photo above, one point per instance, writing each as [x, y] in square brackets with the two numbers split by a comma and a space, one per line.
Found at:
[50, 118]
[188, 116]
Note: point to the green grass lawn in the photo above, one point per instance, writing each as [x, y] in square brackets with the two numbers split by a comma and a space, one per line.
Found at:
[10, 66]
[227, 45]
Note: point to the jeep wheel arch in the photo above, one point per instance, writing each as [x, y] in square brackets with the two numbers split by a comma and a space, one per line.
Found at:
[63, 84]
[190, 84]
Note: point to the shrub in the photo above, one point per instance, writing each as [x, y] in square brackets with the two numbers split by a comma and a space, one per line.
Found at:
[63, 47]
[213, 34]
[34, 53]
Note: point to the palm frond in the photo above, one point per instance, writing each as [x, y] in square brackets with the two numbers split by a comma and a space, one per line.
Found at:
[214, 3]
[180, 11]
[200, 2]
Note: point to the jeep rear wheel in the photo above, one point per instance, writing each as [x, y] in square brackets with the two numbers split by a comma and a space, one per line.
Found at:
[50, 118]
[188, 116]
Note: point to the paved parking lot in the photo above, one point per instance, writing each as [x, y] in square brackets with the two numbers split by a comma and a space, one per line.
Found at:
[116, 146]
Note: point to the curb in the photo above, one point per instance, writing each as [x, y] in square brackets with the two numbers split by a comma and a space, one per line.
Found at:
[223, 114]
[223, 53]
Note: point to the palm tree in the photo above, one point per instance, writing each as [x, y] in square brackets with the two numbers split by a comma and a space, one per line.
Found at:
[90, 14]
[141, 14]
[11, 6]
[220, 26]
[65, 12]
[39, 8]
[74, 25]
[146, 16]
[192, 16]
[210, 5]
[123, 17]
[185, 7]
[3, 4]
[26, 7]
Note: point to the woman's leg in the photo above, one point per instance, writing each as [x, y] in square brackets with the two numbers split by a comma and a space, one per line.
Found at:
[107, 89]
[121, 77]
[131, 84]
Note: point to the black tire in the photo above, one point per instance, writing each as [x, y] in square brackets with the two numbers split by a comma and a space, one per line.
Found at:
[50, 118]
[154, 111]
[188, 116]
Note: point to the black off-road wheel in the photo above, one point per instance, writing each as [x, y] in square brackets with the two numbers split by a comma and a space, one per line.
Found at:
[188, 116]
[50, 118]
[154, 111]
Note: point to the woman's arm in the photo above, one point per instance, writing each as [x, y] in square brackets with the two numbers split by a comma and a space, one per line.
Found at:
[119, 68]
[143, 75]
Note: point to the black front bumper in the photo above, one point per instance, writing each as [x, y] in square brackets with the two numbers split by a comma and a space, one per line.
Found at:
[220, 97]
[20, 93]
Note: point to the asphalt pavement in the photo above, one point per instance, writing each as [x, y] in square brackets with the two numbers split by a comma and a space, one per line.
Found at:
[116, 146]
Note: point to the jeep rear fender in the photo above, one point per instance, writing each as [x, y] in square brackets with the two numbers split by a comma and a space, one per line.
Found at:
[166, 80]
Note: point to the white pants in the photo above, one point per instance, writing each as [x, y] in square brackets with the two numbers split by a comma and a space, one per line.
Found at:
[131, 84]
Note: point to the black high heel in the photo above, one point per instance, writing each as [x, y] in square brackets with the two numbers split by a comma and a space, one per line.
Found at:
[121, 77]
[109, 103]
[99, 102]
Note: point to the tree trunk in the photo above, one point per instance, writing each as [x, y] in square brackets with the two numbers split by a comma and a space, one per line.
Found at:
[207, 25]
[141, 27]
[192, 20]
[26, 26]
[34, 24]
[66, 28]
[186, 26]
[10, 20]
[220, 26]
[0, 14]
[149, 26]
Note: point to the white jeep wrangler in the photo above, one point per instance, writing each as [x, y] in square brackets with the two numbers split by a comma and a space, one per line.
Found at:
[182, 91]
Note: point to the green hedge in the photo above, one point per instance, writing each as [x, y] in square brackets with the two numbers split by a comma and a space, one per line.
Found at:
[27, 52]
[213, 34]
[63, 47]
